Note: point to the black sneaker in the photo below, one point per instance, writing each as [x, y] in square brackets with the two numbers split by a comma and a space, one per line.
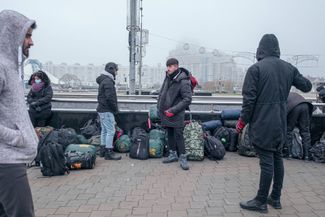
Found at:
[102, 151]
[110, 155]
[254, 205]
[276, 204]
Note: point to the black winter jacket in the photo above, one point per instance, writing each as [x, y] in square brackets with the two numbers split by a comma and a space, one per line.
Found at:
[42, 98]
[175, 96]
[265, 91]
[107, 98]
[295, 99]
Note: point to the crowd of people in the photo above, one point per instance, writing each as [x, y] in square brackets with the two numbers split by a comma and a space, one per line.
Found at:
[267, 101]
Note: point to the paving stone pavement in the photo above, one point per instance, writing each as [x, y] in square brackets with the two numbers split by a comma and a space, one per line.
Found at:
[149, 188]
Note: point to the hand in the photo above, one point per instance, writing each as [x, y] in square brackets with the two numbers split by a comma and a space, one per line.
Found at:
[240, 125]
[38, 109]
[33, 104]
[169, 114]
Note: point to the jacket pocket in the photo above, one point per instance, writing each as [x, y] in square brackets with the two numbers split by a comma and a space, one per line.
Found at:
[11, 137]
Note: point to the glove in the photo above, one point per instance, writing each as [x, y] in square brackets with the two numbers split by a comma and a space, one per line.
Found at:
[169, 114]
[240, 125]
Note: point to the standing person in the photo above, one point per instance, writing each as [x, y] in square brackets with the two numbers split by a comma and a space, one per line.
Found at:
[265, 91]
[39, 99]
[107, 108]
[299, 114]
[175, 96]
[321, 96]
[18, 140]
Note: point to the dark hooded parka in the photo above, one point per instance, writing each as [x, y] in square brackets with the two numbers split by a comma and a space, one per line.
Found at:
[175, 96]
[265, 91]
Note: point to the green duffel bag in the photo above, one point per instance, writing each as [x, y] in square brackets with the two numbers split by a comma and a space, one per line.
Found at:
[123, 144]
[80, 156]
[157, 139]
[153, 114]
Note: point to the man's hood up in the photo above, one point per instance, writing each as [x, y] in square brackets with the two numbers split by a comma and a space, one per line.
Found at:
[13, 29]
[269, 46]
[103, 76]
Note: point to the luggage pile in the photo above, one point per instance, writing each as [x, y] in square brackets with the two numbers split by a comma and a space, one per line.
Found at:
[59, 151]
[224, 132]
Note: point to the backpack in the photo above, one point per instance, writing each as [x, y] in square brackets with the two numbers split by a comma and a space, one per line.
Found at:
[194, 82]
[245, 147]
[42, 131]
[318, 151]
[211, 125]
[157, 140]
[122, 144]
[213, 148]
[233, 136]
[80, 156]
[153, 114]
[296, 149]
[223, 135]
[140, 144]
[52, 161]
[91, 128]
[194, 142]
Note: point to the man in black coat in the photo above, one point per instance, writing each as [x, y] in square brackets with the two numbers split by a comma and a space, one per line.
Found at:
[107, 108]
[174, 97]
[265, 91]
[299, 114]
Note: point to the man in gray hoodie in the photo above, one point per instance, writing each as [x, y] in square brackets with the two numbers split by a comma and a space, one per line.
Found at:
[18, 141]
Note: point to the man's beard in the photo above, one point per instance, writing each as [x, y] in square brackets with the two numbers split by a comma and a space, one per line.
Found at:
[26, 52]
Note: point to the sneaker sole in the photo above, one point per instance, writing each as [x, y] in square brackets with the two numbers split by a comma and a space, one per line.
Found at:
[254, 209]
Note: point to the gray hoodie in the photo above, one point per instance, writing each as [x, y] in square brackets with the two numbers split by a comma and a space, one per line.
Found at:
[18, 141]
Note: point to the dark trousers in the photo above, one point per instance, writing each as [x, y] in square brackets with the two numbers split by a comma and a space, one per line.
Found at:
[271, 165]
[176, 140]
[15, 194]
[300, 117]
[40, 119]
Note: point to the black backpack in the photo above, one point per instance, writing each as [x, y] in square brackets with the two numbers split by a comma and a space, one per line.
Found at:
[223, 135]
[140, 144]
[52, 160]
[213, 148]
[245, 147]
[233, 135]
[318, 151]
[91, 128]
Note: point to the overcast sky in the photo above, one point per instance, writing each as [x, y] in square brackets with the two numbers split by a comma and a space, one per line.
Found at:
[94, 31]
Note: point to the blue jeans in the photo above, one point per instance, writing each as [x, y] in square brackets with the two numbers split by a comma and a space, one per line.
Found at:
[107, 121]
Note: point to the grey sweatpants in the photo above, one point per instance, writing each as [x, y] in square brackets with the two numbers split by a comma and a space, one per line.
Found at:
[15, 194]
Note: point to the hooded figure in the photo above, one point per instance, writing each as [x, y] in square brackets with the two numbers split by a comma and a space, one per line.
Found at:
[18, 140]
[39, 99]
[265, 91]
[107, 108]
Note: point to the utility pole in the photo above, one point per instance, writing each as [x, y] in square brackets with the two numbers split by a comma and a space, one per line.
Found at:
[141, 47]
[133, 28]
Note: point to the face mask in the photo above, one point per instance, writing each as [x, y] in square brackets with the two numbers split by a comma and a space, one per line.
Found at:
[38, 81]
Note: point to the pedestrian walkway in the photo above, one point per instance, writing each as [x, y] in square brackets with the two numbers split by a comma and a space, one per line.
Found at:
[151, 189]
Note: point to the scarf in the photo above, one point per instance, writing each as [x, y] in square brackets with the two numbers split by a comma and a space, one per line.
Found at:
[37, 87]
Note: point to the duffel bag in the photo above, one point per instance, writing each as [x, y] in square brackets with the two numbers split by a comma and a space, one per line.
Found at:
[80, 156]
[194, 142]
[122, 144]
[211, 125]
